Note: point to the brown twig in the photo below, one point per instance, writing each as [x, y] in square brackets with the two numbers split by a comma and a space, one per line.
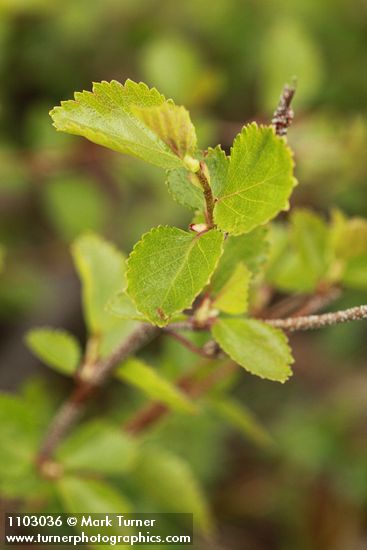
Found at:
[208, 194]
[312, 322]
[71, 410]
[206, 351]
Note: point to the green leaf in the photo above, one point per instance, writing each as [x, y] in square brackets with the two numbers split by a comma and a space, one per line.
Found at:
[92, 496]
[168, 481]
[251, 249]
[286, 269]
[98, 447]
[241, 418]
[355, 272]
[346, 231]
[123, 307]
[168, 268]
[101, 268]
[259, 181]
[183, 186]
[301, 254]
[233, 296]
[259, 348]
[147, 379]
[56, 348]
[311, 240]
[112, 116]
[19, 440]
[172, 124]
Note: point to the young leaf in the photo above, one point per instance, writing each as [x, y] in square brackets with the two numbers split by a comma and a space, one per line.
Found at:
[168, 481]
[251, 249]
[101, 268]
[56, 348]
[127, 118]
[241, 418]
[259, 348]
[123, 307]
[182, 185]
[168, 268]
[217, 163]
[98, 447]
[259, 181]
[172, 124]
[232, 298]
[147, 379]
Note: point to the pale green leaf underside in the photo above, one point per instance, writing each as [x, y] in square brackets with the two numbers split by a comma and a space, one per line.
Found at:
[168, 268]
[101, 268]
[259, 348]
[149, 381]
[259, 181]
[232, 298]
[111, 116]
[56, 348]
[98, 447]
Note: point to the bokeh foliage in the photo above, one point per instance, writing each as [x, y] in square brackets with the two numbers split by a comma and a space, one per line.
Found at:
[226, 61]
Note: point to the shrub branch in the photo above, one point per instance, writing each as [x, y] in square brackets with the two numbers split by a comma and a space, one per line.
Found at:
[70, 412]
[311, 322]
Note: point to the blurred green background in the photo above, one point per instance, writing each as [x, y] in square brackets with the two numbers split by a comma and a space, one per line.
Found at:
[226, 60]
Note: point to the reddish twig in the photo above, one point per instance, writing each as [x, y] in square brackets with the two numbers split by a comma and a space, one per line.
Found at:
[147, 416]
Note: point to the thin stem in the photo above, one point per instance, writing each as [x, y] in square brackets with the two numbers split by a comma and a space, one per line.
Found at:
[206, 351]
[72, 409]
[208, 194]
[311, 322]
